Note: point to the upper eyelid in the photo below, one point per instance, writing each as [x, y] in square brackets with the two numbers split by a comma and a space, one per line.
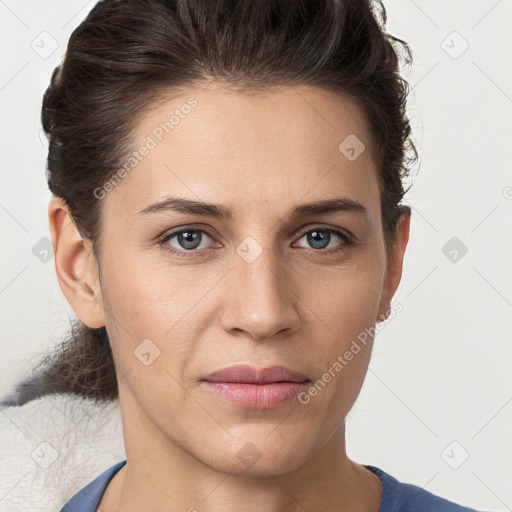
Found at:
[339, 231]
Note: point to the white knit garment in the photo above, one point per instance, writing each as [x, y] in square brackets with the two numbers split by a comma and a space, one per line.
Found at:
[52, 447]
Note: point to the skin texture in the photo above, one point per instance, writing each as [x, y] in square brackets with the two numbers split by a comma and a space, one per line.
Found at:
[259, 155]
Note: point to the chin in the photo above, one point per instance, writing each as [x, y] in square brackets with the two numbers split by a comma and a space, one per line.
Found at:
[260, 453]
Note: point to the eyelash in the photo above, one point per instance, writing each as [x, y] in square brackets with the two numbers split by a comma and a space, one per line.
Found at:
[347, 241]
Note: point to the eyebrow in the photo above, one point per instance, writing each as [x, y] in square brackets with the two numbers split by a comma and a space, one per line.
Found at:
[188, 206]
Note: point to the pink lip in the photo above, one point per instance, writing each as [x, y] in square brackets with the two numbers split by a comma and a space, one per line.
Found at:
[255, 388]
[251, 375]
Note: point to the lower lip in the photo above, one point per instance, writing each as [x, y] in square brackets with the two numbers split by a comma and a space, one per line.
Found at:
[256, 396]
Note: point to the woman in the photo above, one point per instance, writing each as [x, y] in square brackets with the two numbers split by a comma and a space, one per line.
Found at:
[226, 222]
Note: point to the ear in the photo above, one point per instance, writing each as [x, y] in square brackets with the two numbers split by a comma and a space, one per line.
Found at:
[394, 265]
[76, 267]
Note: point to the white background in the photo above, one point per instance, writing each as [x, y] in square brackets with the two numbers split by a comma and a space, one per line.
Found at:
[440, 371]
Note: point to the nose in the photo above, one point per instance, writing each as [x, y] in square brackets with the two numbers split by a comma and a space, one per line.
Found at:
[260, 298]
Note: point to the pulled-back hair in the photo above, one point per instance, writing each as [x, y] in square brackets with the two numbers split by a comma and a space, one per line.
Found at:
[128, 55]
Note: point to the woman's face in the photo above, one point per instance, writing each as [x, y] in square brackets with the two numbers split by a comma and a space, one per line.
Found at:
[259, 280]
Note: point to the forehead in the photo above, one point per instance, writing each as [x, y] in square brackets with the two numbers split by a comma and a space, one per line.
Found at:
[216, 143]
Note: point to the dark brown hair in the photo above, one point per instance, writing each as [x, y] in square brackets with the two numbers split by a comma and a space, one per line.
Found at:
[129, 54]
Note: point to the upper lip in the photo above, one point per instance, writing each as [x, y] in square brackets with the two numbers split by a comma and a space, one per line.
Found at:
[251, 375]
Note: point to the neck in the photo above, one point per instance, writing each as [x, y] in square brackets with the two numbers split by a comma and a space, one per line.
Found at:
[162, 476]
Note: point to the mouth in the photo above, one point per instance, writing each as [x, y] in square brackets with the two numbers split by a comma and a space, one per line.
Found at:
[253, 388]
[251, 375]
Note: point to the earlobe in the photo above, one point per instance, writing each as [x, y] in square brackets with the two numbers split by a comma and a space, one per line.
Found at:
[75, 265]
[395, 263]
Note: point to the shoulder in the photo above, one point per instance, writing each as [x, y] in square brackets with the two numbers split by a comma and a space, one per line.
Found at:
[403, 497]
[90, 497]
[52, 446]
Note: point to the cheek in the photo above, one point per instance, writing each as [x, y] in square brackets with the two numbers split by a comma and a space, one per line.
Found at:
[155, 320]
[150, 296]
[347, 306]
[348, 300]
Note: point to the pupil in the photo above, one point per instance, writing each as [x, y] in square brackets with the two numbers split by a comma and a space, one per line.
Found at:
[323, 239]
[189, 239]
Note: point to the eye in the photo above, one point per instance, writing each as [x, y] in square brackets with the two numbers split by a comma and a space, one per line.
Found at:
[185, 240]
[189, 241]
[322, 238]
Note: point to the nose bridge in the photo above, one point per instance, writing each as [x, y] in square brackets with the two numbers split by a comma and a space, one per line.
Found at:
[260, 270]
[260, 302]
